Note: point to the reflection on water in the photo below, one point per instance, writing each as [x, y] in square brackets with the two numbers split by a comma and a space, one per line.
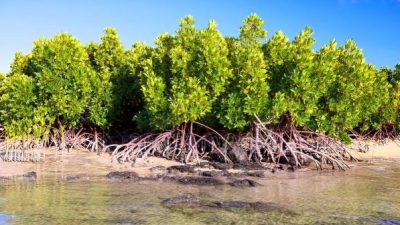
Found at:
[363, 195]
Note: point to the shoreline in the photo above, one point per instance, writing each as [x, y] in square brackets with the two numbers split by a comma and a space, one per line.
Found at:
[83, 163]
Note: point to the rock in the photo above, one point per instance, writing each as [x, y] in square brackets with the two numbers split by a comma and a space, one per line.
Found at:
[247, 205]
[166, 177]
[248, 174]
[123, 175]
[187, 199]
[190, 180]
[70, 178]
[221, 166]
[231, 204]
[244, 183]
[219, 155]
[292, 168]
[265, 206]
[305, 161]
[277, 168]
[30, 175]
[238, 154]
[255, 174]
[213, 173]
[206, 181]
[158, 169]
[204, 165]
[249, 166]
[181, 169]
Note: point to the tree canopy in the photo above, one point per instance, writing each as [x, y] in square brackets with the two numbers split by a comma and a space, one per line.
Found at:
[197, 75]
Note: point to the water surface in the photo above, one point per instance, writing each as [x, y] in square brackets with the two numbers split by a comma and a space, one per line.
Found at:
[368, 194]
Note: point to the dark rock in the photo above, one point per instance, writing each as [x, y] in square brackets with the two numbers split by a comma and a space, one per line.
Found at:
[219, 155]
[306, 161]
[30, 175]
[277, 168]
[123, 175]
[221, 166]
[292, 168]
[70, 178]
[187, 199]
[231, 204]
[292, 161]
[249, 166]
[247, 174]
[190, 180]
[181, 169]
[238, 154]
[206, 181]
[244, 183]
[158, 169]
[265, 206]
[204, 165]
[255, 174]
[213, 173]
[166, 177]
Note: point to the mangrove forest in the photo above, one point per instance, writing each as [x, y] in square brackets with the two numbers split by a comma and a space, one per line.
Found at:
[197, 94]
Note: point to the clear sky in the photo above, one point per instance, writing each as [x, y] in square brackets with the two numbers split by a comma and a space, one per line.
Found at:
[374, 24]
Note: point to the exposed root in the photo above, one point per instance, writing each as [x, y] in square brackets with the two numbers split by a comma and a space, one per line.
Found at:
[79, 139]
[184, 144]
[295, 147]
[22, 151]
[29, 149]
[386, 133]
[17, 155]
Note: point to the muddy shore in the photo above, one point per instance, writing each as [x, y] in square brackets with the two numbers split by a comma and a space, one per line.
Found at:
[80, 163]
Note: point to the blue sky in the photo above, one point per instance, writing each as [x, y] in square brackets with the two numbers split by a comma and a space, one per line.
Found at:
[374, 24]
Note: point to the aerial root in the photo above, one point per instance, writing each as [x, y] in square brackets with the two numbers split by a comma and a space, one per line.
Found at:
[194, 141]
[22, 151]
[183, 144]
[80, 139]
[296, 147]
[30, 149]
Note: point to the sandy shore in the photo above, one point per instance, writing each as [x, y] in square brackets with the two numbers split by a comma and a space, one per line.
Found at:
[83, 163]
[78, 163]
[388, 150]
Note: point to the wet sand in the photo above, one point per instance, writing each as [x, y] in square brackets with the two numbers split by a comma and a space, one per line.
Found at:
[84, 163]
[376, 151]
[79, 163]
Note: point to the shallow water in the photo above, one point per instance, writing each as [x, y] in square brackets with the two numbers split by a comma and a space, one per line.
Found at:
[366, 194]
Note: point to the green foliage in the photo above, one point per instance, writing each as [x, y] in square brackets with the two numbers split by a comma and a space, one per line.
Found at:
[331, 91]
[17, 105]
[247, 93]
[58, 85]
[389, 109]
[109, 54]
[295, 87]
[184, 75]
[119, 92]
[60, 69]
[356, 91]
[197, 75]
[107, 59]
[20, 63]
